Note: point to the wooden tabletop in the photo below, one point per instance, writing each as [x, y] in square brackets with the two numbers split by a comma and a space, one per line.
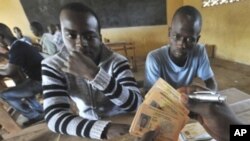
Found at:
[239, 101]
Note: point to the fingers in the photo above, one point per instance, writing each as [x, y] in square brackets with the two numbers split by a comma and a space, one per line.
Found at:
[192, 88]
[69, 61]
[196, 108]
[58, 62]
[150, 136]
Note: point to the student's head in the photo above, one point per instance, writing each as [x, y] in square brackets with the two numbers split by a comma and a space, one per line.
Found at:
[51, 29]
[81, 30]
[17, 31]
[5, 34]
[185, 31]
[36, 28]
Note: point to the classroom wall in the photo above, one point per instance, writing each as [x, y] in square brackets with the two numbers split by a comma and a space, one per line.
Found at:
[145, 38]
[228, 27]
[12, 14]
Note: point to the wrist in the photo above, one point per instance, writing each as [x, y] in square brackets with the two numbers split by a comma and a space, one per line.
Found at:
[94, 73]
[105, 131]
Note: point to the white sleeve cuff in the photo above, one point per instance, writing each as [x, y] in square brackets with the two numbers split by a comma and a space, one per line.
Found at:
[101, 80]
[98, 128]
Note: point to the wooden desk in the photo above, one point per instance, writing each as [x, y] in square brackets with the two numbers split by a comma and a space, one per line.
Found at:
[125, 47]
[236, 98]
[6, 120]
[239, 103]
[234, 95]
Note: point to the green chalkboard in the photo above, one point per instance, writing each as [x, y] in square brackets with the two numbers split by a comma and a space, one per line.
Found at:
[112, 13]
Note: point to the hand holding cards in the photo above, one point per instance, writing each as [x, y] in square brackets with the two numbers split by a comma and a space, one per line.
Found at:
[161, 109]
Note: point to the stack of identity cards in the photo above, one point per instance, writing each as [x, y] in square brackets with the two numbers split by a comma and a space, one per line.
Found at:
[160, 110]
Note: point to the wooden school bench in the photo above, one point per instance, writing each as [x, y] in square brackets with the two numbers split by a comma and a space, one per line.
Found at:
[125, 48]
[7, 121]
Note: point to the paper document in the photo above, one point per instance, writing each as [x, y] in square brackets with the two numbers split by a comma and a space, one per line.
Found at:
[161, 109]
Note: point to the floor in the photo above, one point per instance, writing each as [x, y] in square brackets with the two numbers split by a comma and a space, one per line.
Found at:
[228, 74]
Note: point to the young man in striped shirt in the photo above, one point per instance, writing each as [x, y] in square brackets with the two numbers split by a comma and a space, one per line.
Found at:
[98, 80]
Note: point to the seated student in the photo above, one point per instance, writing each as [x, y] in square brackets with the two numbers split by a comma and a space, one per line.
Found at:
[183, 59]
[46, 42]
[19, 35]
[24, 57]
[210, 116]
[98, 80]
[57, 39]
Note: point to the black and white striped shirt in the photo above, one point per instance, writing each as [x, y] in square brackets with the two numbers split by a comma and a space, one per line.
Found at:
[113, 91]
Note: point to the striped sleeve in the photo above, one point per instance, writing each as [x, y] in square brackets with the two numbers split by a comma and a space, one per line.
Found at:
[58, 115]
[119, 85]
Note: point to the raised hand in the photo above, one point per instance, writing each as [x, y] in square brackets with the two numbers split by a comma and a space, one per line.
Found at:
[80, 65]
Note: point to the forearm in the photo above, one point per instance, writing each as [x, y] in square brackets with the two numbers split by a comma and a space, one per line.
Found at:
[219, 128]
[122, 92]
[218, 121]
[57, 109]
[61, 120]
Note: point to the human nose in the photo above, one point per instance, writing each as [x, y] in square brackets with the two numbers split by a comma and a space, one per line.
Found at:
[81, 42]
[182, 43]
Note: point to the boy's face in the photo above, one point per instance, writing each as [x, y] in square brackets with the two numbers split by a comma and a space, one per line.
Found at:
[184, 36]
[80, 32]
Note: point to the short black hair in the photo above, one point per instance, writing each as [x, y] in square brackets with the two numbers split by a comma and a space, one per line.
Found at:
[16, 28]
[190, 11]
[79, 7]
[5, 30]
[36, 25]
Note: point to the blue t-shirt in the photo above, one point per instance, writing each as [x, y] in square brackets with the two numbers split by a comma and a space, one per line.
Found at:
[159, 64]
[27, 58]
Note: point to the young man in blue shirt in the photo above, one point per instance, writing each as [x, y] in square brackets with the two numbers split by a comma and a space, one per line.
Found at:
[183, 59]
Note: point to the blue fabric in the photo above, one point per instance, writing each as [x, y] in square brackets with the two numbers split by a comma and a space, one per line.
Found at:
[22, 98]
[159, 64]
[26, 57]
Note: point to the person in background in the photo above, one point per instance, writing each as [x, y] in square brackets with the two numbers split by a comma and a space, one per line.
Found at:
[25, 58]
[19, 35]
[48, 47]
[183, 59]
[51, 29]
[57, 39]
[17, 77]
[98, 80]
